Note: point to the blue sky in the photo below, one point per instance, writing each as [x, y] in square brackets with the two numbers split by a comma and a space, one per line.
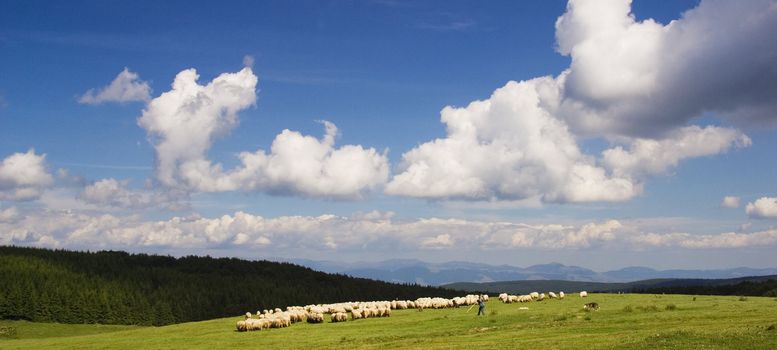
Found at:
[627, 125]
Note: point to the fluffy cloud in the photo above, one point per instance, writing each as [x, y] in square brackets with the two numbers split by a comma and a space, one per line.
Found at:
[23, 176]
[116, 193]
[649, 156]
[636, 84]
[184, 122]
[642, 78]
[509, 146]
[300, 235]
[763, 208]
[730, 202]
[126, 87]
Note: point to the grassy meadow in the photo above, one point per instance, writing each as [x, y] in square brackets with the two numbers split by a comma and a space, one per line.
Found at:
[624, 321]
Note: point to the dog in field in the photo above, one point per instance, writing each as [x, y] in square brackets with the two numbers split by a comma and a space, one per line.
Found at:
[591, 306]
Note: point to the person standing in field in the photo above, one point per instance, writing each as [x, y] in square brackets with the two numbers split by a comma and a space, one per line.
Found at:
[481, 306]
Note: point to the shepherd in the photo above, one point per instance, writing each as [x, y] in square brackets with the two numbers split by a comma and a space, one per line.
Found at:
[481, 306]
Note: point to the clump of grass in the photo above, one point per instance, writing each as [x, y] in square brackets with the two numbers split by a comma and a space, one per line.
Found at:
[742, 298]
[7, 332]
[628, 308]
[648, 308]
[671, 307]
[694, 298]
[587, 317]
[560, 318]
[493, 313]
[771, 328]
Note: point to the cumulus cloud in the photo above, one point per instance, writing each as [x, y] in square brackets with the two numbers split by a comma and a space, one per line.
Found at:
[8, 214]
[126, 87]
[116, 193]
[376, 233]
[635, 84]
[23, 176]
[643, 78]
[730, 202]
[762, 208]
[650, 156]
[509, 146]
[184, 122]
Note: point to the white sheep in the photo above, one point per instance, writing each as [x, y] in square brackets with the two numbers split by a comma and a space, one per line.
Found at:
[356, 314]
[561, 295]
[552, 295]
[534, 295]
[339, 317]
[315, 317]
[504, 297]
[583, 294]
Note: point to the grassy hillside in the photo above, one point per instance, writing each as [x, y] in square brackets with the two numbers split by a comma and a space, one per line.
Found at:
[119, 288]
[627, 321]
[754, 286]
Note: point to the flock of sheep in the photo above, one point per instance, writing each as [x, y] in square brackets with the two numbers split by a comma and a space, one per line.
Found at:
[277, 318]
[506, 298]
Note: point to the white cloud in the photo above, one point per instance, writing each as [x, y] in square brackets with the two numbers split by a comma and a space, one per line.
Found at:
[521, 144]
[126, 87]
[507, 147]
[730, 202]
[642, 78]
[649, 156]
[184, 122]
[115, 193]
[763, 208]
[377, 234]
[8, 214]
[23, 176]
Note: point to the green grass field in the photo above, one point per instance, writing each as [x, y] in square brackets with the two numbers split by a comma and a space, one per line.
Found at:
[627, 321]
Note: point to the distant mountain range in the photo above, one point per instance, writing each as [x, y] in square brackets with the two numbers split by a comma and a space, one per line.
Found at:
[417, 271]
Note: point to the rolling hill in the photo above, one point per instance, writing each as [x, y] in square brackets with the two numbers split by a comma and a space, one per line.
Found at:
[112, 287]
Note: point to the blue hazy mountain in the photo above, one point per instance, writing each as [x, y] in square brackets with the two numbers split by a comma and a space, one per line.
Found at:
[417, 271]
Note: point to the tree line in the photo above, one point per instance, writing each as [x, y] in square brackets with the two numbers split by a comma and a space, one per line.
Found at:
[114, 287]
[765, 288]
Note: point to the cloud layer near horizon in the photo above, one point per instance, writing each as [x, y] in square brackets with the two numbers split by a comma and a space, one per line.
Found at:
[23, 176]
[374, 231]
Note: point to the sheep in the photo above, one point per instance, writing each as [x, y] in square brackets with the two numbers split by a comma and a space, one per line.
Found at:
[241, 326]
[504, 297]
[525, 298]
[484, 297]
[248, 315]
[552, 295]
[356, 314]
[583, 294]
[542, 297]
[534, 295]
[561, 295]
[339, 317]
[513, 299]
[315, 317]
